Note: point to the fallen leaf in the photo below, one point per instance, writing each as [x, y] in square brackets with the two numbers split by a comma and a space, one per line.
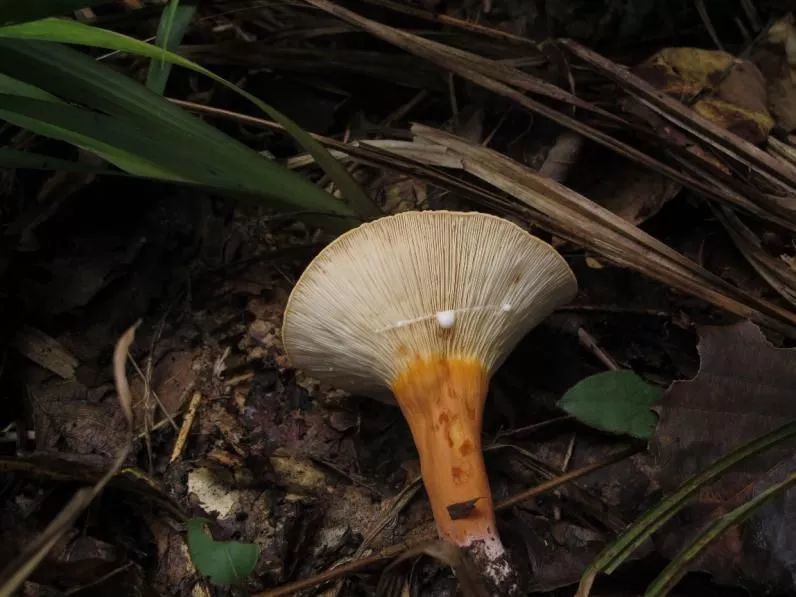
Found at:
[299, 475]
[560, 550]
[778, 63]
[744, 389]
[225, 562]
[212, 494]
[172, 377]
[462, 509]
[631, 191]
[733, 91]
[594, 263]
[46, 351]
[614, 401]
[684, 72]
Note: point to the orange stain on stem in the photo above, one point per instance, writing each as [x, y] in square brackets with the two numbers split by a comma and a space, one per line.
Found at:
[442, 399]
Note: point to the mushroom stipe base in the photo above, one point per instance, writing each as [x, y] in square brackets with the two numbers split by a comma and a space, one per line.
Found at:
[443, 399]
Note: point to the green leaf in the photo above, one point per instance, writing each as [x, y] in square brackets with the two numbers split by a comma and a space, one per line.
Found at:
[128, 148]
[13, 158]
[213, 158]
[171, 29]
[60, 30]
[225, 562]
[614, 401]
[19, 11]
[11, 86]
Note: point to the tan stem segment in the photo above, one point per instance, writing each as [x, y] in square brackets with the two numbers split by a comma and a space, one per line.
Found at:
[443, 401]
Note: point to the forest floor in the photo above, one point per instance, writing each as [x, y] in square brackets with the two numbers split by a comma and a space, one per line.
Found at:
[325, 484]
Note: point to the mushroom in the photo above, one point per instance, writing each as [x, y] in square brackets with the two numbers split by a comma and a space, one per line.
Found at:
[422, 308]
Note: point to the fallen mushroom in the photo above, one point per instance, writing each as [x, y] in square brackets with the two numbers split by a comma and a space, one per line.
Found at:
[424, 307]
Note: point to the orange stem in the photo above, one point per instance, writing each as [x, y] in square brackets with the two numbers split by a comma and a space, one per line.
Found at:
[442, 399]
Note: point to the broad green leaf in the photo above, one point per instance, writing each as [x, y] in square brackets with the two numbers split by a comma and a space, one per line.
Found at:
[11, 86]
[19, 11]
[173, 24]
[78, 79]
[139, 151]
[72, 32]
[123, 146]
[13, 158]
[225, 562]
[614, 401]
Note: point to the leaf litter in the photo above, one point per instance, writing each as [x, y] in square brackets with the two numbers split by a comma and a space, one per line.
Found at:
[672, 208]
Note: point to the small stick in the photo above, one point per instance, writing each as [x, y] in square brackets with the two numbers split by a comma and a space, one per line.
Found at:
[563, 479]
[590, 344]
[533, 427]
[185, 428]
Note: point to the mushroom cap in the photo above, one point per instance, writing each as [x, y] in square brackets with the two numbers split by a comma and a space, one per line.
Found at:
[420, 284]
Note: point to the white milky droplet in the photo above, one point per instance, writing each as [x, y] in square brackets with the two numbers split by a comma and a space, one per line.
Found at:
[505, 307]
[446, 319]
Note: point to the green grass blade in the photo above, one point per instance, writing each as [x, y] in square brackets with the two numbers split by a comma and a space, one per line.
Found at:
[616, 553]
[78, 79]
[20, 11]
[677, 568]
[141, 152]
[60, 30]
[98, 133]
[171, 29]
[27, 160]
[11, 86]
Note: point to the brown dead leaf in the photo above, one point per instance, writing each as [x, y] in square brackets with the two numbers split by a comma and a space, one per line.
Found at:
[632, 192]
[684, 72]
[172, 377]
[46, 351]
[403, 193]
[744, 389]
[462, 509]
[174, 566]
[558, 551]
[777, 61]
[734, 91]
[68, 416]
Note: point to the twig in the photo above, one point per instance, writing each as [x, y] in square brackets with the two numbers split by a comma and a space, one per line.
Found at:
[703, 14]
[403, 110]
[616, 309]
[444, 19]
[534, 427]
[590, 344]
[185, 428]
[335, 573]
[563, 479]
[99, 580]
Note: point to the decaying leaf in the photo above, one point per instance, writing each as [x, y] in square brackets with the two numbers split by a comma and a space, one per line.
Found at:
[733, 91]
[778, 63]
[630, 191]
[744, 389]
[212, 494]
[46, 351]
[462, 509]
[684, 72]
